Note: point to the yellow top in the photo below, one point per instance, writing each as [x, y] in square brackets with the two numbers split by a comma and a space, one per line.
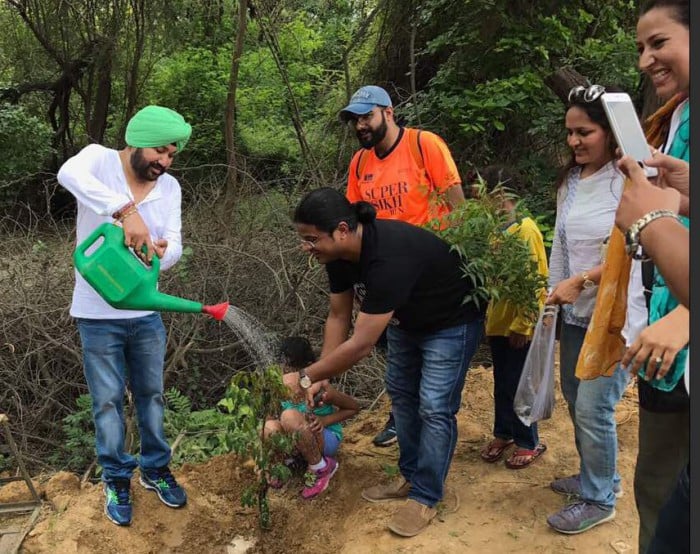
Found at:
[502, 318]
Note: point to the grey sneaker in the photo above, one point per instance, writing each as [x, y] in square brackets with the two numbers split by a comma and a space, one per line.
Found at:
[571, 486]
[579, 517]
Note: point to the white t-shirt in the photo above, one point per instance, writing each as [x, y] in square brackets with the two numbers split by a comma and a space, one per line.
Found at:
[637, 313]
[95, 177]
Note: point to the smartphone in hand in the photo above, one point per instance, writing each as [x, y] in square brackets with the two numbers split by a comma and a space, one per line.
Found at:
[627, 129]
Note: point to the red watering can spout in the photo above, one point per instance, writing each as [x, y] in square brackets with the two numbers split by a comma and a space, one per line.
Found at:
[217, 311]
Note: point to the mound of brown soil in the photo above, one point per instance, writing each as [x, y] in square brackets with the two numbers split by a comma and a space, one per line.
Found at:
[501, 510]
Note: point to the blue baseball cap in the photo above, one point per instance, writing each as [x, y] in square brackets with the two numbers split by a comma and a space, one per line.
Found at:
[364, 100]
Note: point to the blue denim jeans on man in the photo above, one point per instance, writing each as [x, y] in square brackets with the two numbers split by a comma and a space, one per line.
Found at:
[592, 409]
[117, 352]
[425, 377]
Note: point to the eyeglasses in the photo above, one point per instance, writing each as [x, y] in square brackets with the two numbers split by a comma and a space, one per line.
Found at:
[588, 94]
[309, 243]
[363, 119]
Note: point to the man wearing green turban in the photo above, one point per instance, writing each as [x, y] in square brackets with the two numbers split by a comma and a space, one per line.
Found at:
[131, 188]
[157, 126]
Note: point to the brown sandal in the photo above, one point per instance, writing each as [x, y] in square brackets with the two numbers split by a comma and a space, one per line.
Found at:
[529, 455]
[494, 450]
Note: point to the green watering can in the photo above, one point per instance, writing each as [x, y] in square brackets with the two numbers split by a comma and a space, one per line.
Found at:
[124, 281]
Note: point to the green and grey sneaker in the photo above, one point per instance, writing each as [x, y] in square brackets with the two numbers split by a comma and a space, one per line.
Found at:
[579, 517]
[118, 507]
[163, 482]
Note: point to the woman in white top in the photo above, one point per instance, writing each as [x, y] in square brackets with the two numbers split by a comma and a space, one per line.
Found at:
[587, 198]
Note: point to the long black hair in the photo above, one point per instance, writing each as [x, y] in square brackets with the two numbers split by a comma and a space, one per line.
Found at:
[325, 208]
[680, 9]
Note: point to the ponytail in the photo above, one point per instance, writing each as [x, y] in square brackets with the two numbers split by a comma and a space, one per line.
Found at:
[365, 212]
[325, 208]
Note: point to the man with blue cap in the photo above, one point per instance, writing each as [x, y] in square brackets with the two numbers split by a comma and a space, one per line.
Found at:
[405, 173]
[131, 188]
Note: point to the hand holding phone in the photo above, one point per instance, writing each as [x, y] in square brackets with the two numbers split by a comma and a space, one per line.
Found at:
[627, 129]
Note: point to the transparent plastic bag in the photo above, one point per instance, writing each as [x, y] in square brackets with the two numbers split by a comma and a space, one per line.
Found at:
[534, 399]
[585, 303]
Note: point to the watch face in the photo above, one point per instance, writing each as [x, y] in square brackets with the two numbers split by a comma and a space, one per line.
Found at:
[305, 382]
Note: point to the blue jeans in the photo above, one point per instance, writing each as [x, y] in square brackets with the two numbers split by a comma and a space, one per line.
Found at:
[591, 406]
[424, 378]
[508, 365]
[117, 351]
[331, 443]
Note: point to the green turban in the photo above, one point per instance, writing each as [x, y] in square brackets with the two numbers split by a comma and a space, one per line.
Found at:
[155, 126]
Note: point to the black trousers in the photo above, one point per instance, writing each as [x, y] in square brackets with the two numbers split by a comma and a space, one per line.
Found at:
[672, 534]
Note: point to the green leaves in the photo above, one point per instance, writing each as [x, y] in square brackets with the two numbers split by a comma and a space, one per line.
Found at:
[78, 447]
[498, 264]
[251, 399]
[25, 146]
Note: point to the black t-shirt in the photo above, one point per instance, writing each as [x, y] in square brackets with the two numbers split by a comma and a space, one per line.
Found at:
[410, 271]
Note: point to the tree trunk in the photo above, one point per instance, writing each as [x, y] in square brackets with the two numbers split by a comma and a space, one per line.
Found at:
[412, 55]
[138, 11]
[294, 111]
[230, 119]
[99, 111]
[563, 80]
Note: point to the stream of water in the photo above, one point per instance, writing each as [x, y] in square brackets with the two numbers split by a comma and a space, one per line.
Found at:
[257, 341]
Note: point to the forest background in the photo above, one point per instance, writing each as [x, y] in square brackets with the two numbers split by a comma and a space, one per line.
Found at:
[261, 82]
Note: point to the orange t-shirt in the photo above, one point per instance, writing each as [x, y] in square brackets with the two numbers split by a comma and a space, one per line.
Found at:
[396, 185]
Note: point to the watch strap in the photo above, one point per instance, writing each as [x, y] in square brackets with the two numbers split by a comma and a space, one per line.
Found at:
[633, 233]
[588, 283]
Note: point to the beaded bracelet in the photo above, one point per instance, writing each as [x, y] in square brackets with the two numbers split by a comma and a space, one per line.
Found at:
[119, 214]
[127, 214]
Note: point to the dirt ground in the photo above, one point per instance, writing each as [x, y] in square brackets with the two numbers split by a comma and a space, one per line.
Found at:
[501, 510]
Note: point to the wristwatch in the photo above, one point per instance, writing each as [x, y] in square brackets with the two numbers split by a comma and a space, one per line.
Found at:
[588, 283]
[632, 234]
[304, 380]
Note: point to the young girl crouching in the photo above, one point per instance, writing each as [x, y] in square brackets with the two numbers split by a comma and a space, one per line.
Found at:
[318, 431]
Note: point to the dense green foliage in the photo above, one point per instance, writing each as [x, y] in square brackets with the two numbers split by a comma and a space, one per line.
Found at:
[480, 69]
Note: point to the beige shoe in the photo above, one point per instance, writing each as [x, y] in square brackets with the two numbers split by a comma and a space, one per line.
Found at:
[411, 518]
[450, 501]
[395, 490]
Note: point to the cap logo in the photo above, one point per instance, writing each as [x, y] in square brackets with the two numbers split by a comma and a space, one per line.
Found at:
[361, 95]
